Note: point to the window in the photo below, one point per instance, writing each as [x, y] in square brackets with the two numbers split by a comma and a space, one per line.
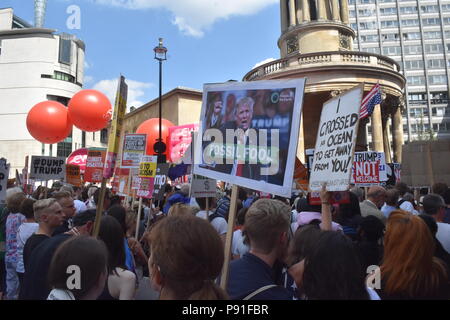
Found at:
[446, 7]
[436, 64]
[390, 36]
[368, 25]
[434, 48]
[413, 49]
[369, 38]
[392, 50]
[414, 64]
[432, 35]
[412, 36]
[446, 20]
[438, 79]
[431, 21]
[352, 13]
[366, 12]
[408, 10]
[65, 51]
[388, 11]
[416, 80]
[93, 136]
[58, 75]
[354, 26]
[389, 24]
[372, 50]
[429, 9]
[64, 148]
[104, 136]
[410, 22]
[439, 97]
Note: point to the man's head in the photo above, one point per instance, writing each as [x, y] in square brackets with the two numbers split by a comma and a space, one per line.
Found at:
[392, 197]
[65, 199]
[434, 205]
[84, 221]
[377, 195]
[48, 212]
[286, 101]
[14, 200]
[439, 188]
[217, 104]
[402, 188]
[244, 113]
[358, 192]
[267, 226]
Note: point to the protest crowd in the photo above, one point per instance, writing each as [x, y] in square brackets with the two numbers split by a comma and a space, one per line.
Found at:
[383, 244]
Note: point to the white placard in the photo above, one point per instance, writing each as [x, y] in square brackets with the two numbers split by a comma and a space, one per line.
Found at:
[202, 187]
[4, 174]
[335, 143]
[47, 168]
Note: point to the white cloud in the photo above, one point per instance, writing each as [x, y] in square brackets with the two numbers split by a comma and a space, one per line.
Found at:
[136, 90]
[193, 17]
[263, 62]
[86, 65]
[88, 79]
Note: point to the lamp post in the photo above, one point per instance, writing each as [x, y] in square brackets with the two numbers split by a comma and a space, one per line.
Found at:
[160, 147]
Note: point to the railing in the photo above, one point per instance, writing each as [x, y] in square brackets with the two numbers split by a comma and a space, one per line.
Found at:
[322, 59]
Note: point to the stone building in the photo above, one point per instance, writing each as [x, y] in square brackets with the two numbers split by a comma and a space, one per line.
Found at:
[316, 42]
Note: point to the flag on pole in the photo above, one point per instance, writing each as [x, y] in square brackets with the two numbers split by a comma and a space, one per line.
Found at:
[370, 101]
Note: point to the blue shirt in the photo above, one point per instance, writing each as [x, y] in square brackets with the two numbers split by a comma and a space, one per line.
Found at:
[250, 273]
[386, 209]
[129, 262]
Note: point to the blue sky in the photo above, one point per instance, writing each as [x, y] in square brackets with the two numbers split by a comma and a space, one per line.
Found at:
[207, 40]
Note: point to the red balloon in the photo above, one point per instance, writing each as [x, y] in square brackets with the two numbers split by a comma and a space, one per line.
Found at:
[90, 110]
[150, 127]
[48, 122]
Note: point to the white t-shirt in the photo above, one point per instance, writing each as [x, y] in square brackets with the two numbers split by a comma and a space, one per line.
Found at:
[238, 247]
[219, 223]
[79, 206]
[25, 231]
[407, 206]
[443, 235]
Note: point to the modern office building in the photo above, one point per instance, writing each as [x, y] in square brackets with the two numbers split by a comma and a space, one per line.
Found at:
[416, 34]
[37, 65]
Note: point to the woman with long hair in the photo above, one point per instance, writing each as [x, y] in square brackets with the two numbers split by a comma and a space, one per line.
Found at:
[409, 270]
[186, 258]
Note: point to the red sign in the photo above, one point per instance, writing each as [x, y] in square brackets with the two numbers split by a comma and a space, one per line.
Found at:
[366, 172]
[146, 188]
[78, 157]
[94, 165]
[179, 140]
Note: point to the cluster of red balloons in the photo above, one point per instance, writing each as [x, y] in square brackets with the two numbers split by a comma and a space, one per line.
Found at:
[51, 122]
[150, 127]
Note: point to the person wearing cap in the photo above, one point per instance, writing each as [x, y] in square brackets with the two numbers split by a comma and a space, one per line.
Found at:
[181, 195]
[35, 281]
[434, 205]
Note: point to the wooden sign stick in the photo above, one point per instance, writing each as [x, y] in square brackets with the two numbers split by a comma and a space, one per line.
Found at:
[231, 218]
[98, 216]
[138, 220]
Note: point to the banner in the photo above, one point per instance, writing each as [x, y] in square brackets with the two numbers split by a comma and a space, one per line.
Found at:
[78, 157]
[123, 189]
[393, 173]
[335, 142]
[160, 181]
[147, 172]
[133, 149]
[203, 187]
[4, 173]
[249, 132]
[47, 168]
[73, 175]
[369, 169]
[94, 165]
[120, 107]
[180, 137]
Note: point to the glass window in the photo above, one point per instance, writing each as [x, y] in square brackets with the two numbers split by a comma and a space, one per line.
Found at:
[369, 38]
[410, 22]
[436, 64]
[413, 64]
[65, 48]
[429, 9]
[416, 80]
[438, 79]
[389, 24]
[432, 35]
[434, 48]
[392, 50]
[413, 49]
[408, 10]
[412, 36]
[431, 21]
[388, 11]
[390, 36]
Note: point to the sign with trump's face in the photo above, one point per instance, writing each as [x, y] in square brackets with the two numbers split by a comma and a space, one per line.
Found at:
[249, 132]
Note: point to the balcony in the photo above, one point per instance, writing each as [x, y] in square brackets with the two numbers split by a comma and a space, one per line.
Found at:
[323, 59]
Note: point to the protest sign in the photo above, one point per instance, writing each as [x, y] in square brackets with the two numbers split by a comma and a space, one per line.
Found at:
[300, 176]
[94, 165]
[393, 171]
[47, 168]
[123, 185]
[4, 173]
[369, 168]
[203, 187]
[335, 143]
[180, 137]
[73, 175]
[78, 157]
[160, 180]
[133, 149]
[147, 172]
[249, 132]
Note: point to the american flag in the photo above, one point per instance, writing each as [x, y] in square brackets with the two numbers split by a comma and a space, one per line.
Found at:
[370, 101]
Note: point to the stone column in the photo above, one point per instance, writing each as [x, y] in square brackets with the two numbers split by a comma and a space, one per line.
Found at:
[301, 143]
[321, 10]
[292, 13]
[298, 4]
[386, 143]
[306, 11]
[344, 11]
[377, 129]
[397, 133]
[284, 15]
[335, 10]
[361, 138]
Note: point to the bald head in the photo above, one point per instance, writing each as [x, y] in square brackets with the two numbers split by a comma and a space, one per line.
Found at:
[377, 195]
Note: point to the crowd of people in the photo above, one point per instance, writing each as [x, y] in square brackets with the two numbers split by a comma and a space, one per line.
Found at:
[378, 245]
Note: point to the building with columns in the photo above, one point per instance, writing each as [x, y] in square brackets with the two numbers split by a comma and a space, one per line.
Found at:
[316, 42]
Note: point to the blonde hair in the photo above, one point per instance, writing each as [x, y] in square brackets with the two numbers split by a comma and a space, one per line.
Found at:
[40, 206]
[179, 209]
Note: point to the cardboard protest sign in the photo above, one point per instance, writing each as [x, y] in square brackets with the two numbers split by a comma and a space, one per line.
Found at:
[73, 175]
[369, 168]
[203, 187]
[180, 137]
[94, 165]
[47, 168]
[249, 132]
[160, 180]
[4, 173]
[120, 107]
[393, 171]
[335, 143]
[123, 188]
[147, 172]
[300, 175]
[133, 149]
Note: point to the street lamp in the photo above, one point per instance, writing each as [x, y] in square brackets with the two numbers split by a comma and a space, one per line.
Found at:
[160, 147]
